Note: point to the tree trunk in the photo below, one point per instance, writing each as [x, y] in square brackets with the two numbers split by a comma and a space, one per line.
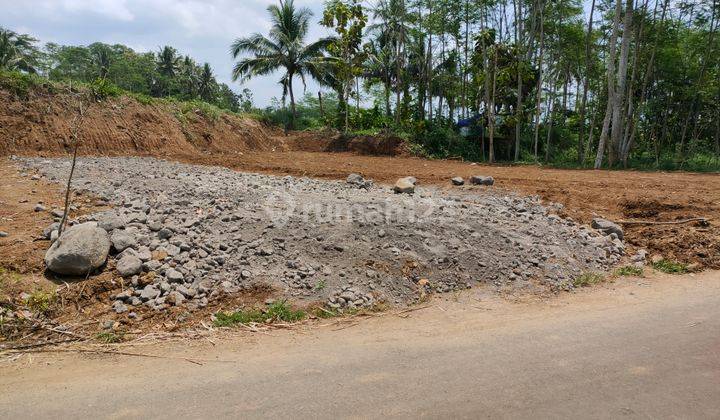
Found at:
[491, 152]
[618, 118]
[643, 93]
[293, 117]
[610, 85]
[540, 75]
[518, 106]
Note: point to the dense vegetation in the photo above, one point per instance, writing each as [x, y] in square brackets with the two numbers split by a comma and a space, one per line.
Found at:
[591, 83]
[594, 83]
[163, 74]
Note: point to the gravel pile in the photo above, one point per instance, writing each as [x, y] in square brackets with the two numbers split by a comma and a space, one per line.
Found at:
[184, 234]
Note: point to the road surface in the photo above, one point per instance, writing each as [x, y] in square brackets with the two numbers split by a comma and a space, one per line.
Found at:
[644, 348]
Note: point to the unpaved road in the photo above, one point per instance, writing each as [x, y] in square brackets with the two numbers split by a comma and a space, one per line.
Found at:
[643, 348]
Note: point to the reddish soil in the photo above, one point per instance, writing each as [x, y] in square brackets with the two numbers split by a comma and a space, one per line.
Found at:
[41, 123]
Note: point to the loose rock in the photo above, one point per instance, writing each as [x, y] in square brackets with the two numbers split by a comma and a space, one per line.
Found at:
[79, 251]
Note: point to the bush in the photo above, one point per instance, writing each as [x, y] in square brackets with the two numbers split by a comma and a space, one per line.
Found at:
[102, 89]
[18, 83]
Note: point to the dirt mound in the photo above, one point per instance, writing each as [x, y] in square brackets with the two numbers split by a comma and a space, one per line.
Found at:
[40, 124]
[333, 141]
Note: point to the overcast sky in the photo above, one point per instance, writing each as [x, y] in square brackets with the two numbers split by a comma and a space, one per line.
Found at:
[201, 29]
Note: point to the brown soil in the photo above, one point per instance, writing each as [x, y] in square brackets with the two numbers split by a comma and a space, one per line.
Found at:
[41, 122]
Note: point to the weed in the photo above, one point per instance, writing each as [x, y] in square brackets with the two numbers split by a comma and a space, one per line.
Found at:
[630, 271]
[588, 279]
[277, 311]
[40, 301]
[228, 319]
[324, 313]
[110, 337]
[321, 285]
[281, 311]
[670, 267]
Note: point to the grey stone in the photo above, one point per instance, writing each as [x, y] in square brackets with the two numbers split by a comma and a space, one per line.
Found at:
[173, 275]
[458, 180]
[122, 240]
[165, 233]
[57, 213]
[405, 185]
[608, 227]
[47, 232]
[482, 180]
[129, 265]
[149, 292]
[39, 208]
[110, 221]
[79, 251]
[175, 298]
[119, 307]
[4, 234]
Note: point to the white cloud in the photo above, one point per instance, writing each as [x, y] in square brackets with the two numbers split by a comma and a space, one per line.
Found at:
[201, 29]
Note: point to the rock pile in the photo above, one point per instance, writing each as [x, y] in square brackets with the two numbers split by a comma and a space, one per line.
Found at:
[183, 235]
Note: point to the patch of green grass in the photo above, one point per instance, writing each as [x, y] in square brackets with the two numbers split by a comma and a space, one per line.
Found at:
[321, 285]
[204, 109]
[40, 301]
[670, 267]
[588, 279]
[277, 311]
[630, 271]
[110, 337]
[141, 98]
[281, 311]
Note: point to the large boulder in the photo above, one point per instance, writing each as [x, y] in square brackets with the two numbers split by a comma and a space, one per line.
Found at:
[405, 185]
[608, 227]
[79, 250]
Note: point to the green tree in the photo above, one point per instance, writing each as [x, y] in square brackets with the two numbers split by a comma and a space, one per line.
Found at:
[284, 48]
[18, 51]
[348, 19]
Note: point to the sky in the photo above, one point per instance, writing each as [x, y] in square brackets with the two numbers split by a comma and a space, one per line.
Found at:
[202, 29]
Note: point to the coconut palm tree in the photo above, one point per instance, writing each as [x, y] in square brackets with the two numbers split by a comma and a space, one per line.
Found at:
[284, 48]
[168, 61]
[17, 51]
[206, 80]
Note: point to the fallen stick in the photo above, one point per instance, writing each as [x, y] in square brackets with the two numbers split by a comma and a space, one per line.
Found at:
[676, 222]
[125, 353]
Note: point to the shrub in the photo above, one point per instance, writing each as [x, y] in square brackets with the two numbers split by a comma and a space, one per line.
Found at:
[103, 89]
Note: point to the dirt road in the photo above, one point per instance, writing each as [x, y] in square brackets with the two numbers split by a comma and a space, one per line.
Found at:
[643, 348]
